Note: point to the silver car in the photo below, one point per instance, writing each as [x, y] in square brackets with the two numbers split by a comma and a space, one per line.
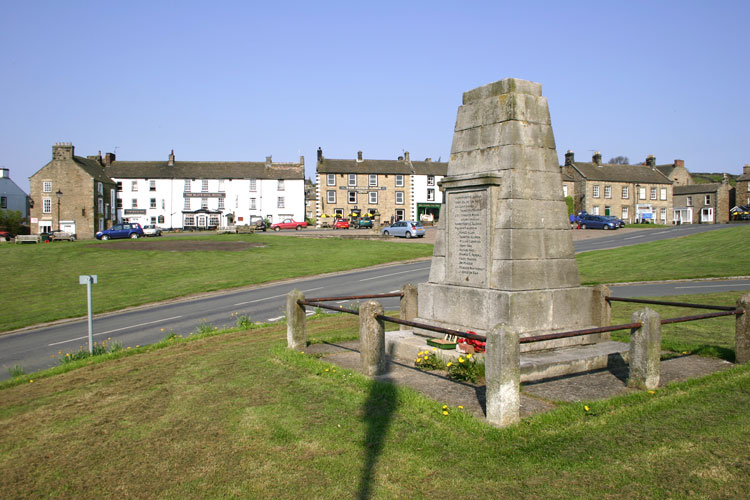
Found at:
[151, 230]
[404, 229]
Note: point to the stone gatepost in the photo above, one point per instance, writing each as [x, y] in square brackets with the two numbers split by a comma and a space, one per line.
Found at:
[742, 330]
[645, 350]
[503, 375]
[372, 339]
[296, 336]
[603, 309]
[408, 304]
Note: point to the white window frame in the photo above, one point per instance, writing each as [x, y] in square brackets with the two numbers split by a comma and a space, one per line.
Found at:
[253, 185]
[152, 185]
[608, 191]
[204, 185]
[134, 203]
[430, 180]
[152, 203]
[47, 186]
[280, 202]
[642, 193]
[707, 200]
[280, 185]
[625, 194]
[253, 204]
[399, 197]
[399, 180]
[595, 190]
[372, 197]
[204, 203]
[653, 193]
[625, 213]
[186, 205]
[430, 194]
[330, 179]
[352, 179]
[372, 180]
[663, 213]
[330, 196]
[100, 188]
[352, 197]
[221, 185]
[221, 203]
[47, 205]
[663, 194]
[565, 191]
[689, 201]
[187, 187]
[134, 186]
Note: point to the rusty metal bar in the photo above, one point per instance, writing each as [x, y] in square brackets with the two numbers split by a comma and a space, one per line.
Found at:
[323, 306]
[675, 304]
[433, 328]
[684, 319]
[355, 297]
[576, 333]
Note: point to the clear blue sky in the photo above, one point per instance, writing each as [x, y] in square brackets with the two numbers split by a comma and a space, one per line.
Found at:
[238, 81]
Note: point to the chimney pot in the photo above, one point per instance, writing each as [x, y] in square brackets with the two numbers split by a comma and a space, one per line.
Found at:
[651, 161]
[170, 163]
[679, 163]
[406, 156]
[268, 161]
[597, 158]
[428, 159]
[359, 155]
[320, 154]
[570, 157]
[401, 158]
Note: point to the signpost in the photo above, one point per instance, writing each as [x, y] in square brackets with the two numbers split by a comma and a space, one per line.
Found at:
[88, 280]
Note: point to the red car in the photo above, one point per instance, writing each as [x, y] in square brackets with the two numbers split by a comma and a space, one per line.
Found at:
[341, 224]
[288, 224]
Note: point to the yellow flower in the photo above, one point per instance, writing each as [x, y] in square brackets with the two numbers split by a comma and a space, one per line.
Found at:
[449, 364]
[461, 407]
[461, 360]
[303, 352]
[137, 346]
[326, 369]
[586, 408]
[162, 329]
[334, 371]
[31, 381]
[468, 356]
[445, 413]
[434, 348]
[652, 392]
[445, 407]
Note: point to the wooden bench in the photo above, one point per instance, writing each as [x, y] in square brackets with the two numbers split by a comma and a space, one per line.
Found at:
[32, 238]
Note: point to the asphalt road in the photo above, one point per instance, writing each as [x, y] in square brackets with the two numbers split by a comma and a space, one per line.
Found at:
[37, 349]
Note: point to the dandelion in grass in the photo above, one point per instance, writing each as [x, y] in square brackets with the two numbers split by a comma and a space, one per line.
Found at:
[461, 360]
[445, 407]
[326, 369]
[586, 408]
[445, 412]
[450, 363]
[652, 392]
[31, 381]
[468, 356]
[460, 407]
[434, 348]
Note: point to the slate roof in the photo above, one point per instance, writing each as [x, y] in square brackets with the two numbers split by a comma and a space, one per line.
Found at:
[93, 168]
[696, 188]
[621, 173]
[204, 170]
[334, 166]
[744, 177]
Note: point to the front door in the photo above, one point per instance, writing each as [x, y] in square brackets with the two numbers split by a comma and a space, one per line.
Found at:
[201, 221]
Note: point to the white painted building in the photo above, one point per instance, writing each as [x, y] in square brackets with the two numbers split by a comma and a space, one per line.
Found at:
[201, 195]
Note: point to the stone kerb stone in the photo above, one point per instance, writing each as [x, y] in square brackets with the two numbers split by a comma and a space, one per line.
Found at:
[372, 339]
[645, 350]
[296, 335]
[503, 375]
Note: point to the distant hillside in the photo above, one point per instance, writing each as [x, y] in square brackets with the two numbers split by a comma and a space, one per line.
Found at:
[707, 178]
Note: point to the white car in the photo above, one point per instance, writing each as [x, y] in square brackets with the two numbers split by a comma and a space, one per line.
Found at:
[151, 230]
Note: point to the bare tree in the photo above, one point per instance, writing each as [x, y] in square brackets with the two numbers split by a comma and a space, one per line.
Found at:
[619, 160]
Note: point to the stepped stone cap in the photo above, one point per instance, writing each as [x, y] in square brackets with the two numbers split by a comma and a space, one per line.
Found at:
[505, 86]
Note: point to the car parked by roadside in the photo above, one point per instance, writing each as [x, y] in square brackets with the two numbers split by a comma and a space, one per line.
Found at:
[589, 221]
[151, 230]
[5, 235]
[50, 236]
[404, 229]
[341, 224]
[363, 222]
[617, 220]
[128, 230]
[288, 224]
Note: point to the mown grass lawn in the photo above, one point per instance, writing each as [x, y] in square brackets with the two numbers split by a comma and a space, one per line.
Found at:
[239, 416]
[41, 281]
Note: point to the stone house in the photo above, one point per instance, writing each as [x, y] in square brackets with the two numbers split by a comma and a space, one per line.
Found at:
[742, 196]
[175, 194]
[12, 197]
[635, 193]
[677, 173]
[71, 193]
[703, 203]
[401, 188]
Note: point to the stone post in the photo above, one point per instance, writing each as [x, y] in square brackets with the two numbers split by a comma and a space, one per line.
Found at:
[371, 339]
[408, 304]
[503, 375]
[742, 330]
[645, 350]
[603, 314]
[296, 337]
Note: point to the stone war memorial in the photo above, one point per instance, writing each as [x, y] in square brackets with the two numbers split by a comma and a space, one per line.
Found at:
[505, 252]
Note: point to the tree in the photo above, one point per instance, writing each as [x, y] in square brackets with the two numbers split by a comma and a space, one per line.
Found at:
[11, 220]
[619, 160]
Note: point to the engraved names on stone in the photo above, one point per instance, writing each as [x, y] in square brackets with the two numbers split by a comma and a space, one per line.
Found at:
[468, 237]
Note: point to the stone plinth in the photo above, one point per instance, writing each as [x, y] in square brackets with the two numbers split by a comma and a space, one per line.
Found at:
[504, 249]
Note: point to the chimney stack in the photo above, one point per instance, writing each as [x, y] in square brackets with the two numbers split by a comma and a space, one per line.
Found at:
[268, 161]
[400, 158]
[359, 155]
[406, 156]
[651, 161]
[302, 160]
[108, 159]
[679, 163]
[597, 158]
[4, 173]
[63, 151]
[428, 159]
[746, 169]
[725, 179]
[320, 154]
[570, 158]
[170, 163]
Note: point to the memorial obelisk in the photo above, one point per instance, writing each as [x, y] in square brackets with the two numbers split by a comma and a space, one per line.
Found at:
[504, 249]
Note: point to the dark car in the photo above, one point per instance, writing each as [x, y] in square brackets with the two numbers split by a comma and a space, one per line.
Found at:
[5, 235]
[364, 222]
[617, 220]
[128, 230]
[589, 221]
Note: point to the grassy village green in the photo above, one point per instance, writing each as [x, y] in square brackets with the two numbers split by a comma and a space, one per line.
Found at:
[236, 415]
[41, 281]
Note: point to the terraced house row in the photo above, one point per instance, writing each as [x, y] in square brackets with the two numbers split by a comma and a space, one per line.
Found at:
[83, 195]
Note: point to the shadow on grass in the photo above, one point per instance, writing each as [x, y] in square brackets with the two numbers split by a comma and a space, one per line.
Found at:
[379, 408]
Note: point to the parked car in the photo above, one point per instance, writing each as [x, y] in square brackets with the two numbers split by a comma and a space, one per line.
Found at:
[121, 231]
[288, 224]
[151, 230]
[363, 222]
[50, 236]
[5, 235]
[404, 229]
[589, 221]
[617, 220]
[259, 224]
[341, 224]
